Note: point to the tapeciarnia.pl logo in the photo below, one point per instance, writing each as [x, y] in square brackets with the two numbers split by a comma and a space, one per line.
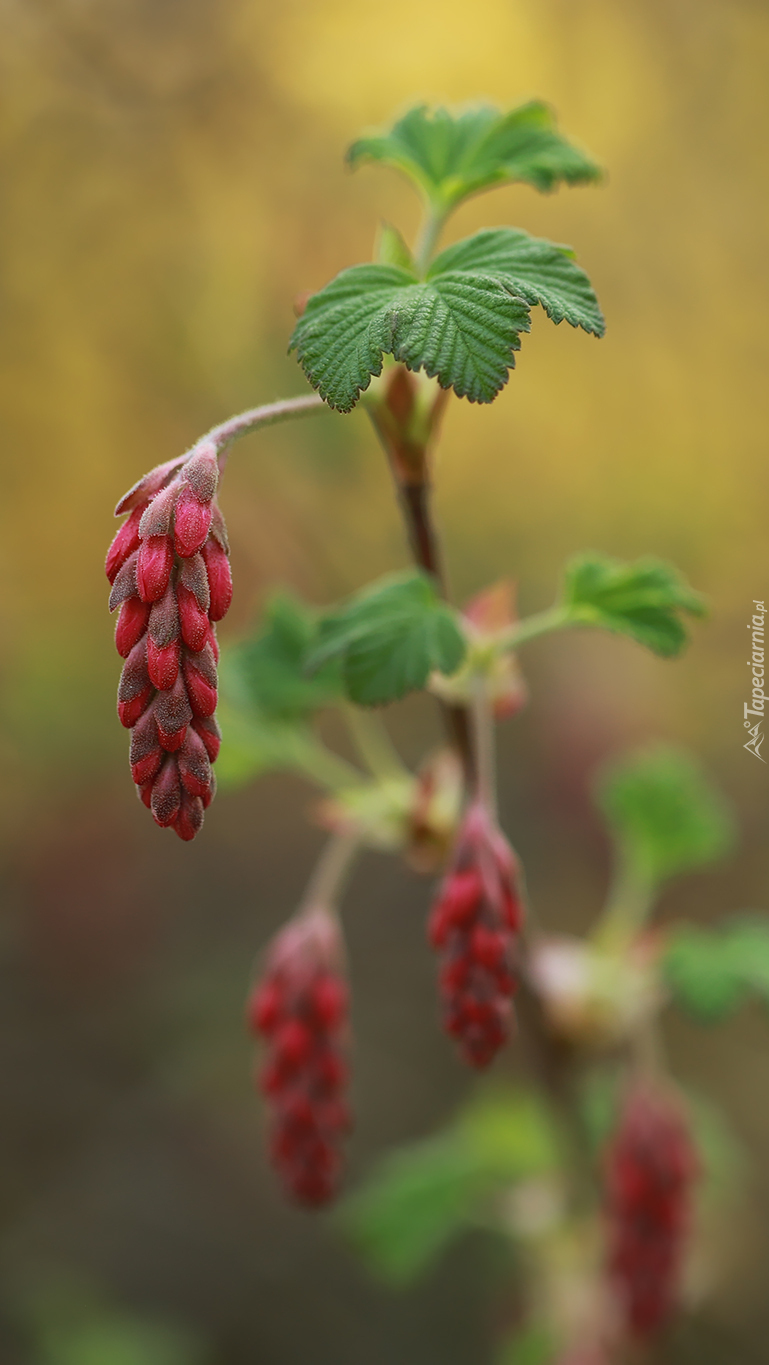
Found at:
[755, 707]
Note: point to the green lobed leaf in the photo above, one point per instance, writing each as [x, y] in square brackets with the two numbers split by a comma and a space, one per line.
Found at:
[664, 813]
[710, 972]
[643, 599]
[461, 326]
[269, 669]
[451, 156]
[539, 271]
[389, 638]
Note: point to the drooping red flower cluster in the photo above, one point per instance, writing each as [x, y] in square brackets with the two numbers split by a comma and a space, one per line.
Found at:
[300, 1009]
[170, 575]
[651, 1169]
[473, 924]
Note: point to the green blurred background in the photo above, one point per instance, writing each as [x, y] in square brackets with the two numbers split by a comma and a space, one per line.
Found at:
[172, 177]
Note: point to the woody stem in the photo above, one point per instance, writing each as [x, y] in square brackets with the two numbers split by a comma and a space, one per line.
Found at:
[411, 476]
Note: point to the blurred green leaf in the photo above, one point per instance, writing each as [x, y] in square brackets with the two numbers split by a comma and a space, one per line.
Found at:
[116, 1341]
[534, 1344]
[451, 156]
[643, 599]
[424, 1194]
[70, 1324]
[710, 972]
[416, 1201]
[701, 974]
[664, 813]
[721, 1155]
[269, 670]
[253, 744]
[539, 271]
[511, 1134]
[389, 638]
[748, 935]
[598, 1103]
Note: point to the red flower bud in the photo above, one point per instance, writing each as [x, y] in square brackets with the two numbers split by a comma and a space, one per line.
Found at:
[194, 765]
[130, 711]
[158, 515]
[192, 522]
[193, 619]
[124, 544]
[201, 472]
[166, 793]
[164, 619]
[165, 633]
[219, 578]
[141, 492]
[472, 924]
[156, 557]
[300, 1008]
[189, 819]
[163, 664]
[131, 625]
[651, 1167]
[200, 690]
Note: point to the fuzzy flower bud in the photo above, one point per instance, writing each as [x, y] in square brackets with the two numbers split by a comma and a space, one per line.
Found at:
[169, 570]
[650, 1172]
[473, 925]
[300, 1010]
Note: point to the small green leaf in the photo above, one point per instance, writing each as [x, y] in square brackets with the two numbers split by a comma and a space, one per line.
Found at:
[511, 1134]
[711, 971]
[254, 744]
[533, 1344]
[643, 599]
[538, 271]
[426, 1193]
[417, 1200]
[389, 638]
[450, 157]
[701, 974]
[461, 326]
[269, 670]
[392, 250]
[664, 813]
[749, 945]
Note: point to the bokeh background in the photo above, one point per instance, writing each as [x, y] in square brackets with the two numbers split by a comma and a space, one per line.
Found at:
[172, 177]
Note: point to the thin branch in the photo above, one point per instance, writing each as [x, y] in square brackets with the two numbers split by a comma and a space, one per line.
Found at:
[375, 747]
[531, 627]
[484, 741]
[412, 481]
[267, 415]
[331, 870]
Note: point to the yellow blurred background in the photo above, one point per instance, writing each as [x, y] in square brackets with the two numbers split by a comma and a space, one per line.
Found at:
[172, 177]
